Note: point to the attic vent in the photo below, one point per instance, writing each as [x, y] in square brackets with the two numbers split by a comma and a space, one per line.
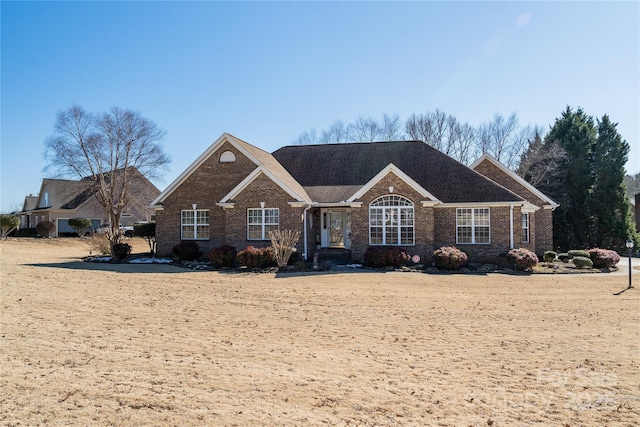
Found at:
[227, 157]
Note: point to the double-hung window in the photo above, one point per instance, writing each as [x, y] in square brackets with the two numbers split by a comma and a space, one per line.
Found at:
[525, 228]
[261, 221]
[473, 225]
[194, 224]
[391, 221]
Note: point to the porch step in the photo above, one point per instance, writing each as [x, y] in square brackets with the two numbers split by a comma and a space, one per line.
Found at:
[338, 255]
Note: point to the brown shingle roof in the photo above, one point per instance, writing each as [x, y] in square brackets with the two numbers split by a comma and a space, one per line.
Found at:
[355, 164]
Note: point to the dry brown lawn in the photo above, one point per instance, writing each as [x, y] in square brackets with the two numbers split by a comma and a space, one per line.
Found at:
[103, 344]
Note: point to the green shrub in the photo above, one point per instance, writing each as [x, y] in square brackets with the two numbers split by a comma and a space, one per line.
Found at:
[581, 262]
[450, 258]
[253, 257]
[187, 250]
[121, 250]
[45, 228]
[549, 256]
[603, 258]
[564, 257]
[578, 252]
[523, 258]
[386, 256]
[80, 225]
[223, 256]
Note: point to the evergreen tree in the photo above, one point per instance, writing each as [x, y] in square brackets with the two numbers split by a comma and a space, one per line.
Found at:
[571, 187]
[611, 222]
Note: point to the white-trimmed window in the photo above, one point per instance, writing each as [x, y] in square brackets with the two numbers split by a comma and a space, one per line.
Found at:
[260, 221]
[194, 224]
[473, 225]
[525, 228]
[391, 221]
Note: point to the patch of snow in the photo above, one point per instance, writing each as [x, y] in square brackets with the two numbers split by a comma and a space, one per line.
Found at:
[150, 261]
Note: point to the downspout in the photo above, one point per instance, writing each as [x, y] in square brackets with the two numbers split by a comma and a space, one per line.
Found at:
[511, 226]
[304, 233]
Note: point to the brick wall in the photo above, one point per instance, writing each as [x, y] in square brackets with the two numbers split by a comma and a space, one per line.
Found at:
[423, 218]
[541, 223]
[495, 252]
[262, 189]
[206, 186]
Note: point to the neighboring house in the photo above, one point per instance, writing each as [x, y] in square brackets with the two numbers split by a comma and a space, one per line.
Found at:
[345, 198]
[60, 200]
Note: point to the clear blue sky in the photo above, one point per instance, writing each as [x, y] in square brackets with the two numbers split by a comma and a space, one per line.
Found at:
[268, 71]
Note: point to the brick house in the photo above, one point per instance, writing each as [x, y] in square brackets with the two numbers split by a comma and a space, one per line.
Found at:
[60, 200]
[345, 198]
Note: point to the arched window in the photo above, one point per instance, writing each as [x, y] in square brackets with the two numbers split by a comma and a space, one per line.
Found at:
[227, 157]
[391, 221]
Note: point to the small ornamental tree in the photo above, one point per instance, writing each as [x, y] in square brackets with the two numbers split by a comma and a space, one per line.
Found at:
[80, 225]
[8, 223]
[148, 232]
[45, 228]
[284, 244]
[523, 259]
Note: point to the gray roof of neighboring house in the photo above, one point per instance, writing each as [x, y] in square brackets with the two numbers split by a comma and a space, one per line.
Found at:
[62, 194]
[30, 202]
[354, 164]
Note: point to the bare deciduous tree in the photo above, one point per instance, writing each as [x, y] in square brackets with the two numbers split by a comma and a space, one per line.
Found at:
[106, 151]
[365, 130]
[391, 129]
[539, 163]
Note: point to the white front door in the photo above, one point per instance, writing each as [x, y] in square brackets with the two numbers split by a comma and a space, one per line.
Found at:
[335, 228]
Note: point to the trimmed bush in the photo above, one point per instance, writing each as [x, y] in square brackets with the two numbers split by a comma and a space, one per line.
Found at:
[187, 250]
[386, 256]
[121, 250]
[603, 258]
[549, 256]
[523, 258]
[450, 258]
[223, 256]
[581, 262]
[253, 257]
[45, 228]
[578, 252]
[564, 257]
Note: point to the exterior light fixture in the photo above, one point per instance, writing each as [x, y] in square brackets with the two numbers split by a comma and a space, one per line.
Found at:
[629, 245]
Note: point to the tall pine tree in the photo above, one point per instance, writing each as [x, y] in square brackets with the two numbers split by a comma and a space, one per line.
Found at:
[611, 222]
[586, 177]
[571, 187]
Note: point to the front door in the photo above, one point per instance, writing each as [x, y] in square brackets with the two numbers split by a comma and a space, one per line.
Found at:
[336, 223]
[336, 228]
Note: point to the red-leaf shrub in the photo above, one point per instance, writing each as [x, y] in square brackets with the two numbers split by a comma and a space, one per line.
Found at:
[223, 256]
[187, 250]
[603, 258]
[523, 258]
[386, 256]
[450, 258]
[253, 257]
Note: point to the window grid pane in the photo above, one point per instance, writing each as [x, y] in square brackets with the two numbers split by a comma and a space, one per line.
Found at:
[194, 224]
[391, 221]
[260, 221]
